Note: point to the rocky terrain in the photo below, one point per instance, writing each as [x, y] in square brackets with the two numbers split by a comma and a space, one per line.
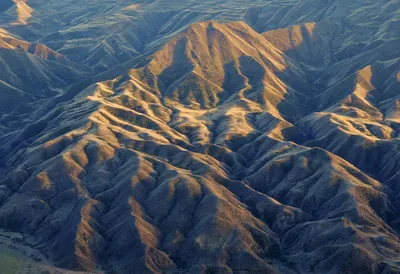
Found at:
[202, 137]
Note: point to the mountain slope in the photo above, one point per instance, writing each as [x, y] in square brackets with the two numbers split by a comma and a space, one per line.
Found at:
[204, 145]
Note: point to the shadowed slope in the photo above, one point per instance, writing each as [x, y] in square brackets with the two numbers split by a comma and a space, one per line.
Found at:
[189, 163]
[202, 147]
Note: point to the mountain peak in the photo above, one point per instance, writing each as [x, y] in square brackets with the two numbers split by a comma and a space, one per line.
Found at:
[199, 137]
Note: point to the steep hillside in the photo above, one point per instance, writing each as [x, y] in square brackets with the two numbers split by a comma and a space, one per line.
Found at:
[213, 137]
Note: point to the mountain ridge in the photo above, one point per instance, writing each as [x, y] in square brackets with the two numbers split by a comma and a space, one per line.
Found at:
[218, 148]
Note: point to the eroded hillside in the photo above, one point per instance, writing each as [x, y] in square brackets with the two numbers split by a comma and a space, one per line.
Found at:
[180, 137]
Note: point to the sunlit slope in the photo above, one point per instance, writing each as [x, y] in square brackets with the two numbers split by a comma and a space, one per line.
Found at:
[355, 111]
[195, 161]
[104, 34]
[31, 72]
[161, 137]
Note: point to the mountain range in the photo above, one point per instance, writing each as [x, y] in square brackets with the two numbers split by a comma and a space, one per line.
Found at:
[179, 136]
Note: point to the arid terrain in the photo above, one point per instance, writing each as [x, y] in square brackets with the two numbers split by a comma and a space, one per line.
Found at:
[171, 136]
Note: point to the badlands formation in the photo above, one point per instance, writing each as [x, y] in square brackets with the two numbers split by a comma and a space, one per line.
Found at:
[206, 136]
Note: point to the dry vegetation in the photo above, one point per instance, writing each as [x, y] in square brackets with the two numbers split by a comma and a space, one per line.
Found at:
[229, 137]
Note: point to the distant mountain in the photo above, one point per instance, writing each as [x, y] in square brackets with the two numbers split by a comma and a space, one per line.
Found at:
[212, 137]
